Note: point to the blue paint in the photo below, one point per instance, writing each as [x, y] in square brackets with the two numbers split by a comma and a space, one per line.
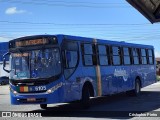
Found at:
[114, 79]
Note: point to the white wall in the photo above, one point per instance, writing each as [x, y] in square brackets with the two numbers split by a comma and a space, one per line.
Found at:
[2, 72]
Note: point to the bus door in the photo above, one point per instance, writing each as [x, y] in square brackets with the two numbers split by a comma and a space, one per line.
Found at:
[70, 54]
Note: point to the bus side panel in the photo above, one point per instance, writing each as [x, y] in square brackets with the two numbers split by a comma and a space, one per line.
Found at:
[109, 81]
[74, 85]
[148, 75]
[127, 80]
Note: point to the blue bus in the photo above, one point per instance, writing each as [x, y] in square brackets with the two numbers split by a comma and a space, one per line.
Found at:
[47, 69]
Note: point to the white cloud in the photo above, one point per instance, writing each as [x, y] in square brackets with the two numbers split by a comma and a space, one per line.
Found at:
[14, 10]
[157, 54]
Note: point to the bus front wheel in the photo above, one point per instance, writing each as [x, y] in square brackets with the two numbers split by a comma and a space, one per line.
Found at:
[85, 100]
[43, 106]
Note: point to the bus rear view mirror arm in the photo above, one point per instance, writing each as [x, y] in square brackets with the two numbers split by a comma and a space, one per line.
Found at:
[4, 62]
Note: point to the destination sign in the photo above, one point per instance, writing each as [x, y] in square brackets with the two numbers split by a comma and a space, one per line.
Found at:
[31, 42]
[21, 54]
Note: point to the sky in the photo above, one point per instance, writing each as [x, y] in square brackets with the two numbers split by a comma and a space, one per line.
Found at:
[104, 19]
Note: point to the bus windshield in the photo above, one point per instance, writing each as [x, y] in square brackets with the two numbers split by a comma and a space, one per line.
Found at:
[41, 63]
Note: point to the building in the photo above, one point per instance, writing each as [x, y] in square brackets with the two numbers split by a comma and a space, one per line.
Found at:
[157, 61]
[3, 50]
[158, 66]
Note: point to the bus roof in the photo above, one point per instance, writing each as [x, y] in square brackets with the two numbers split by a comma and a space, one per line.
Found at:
[85, 39]
[101, 41]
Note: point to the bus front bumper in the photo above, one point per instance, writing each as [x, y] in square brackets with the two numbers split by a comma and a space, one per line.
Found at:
[34, 98]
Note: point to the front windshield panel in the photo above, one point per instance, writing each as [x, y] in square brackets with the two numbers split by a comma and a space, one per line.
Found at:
[43, 63]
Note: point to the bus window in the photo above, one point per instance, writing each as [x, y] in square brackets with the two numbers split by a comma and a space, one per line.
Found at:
[70, 57]
[126, 56]
[88, 54]
[150, 57]
[136, 59]
[88, 49]
[103, 54]
[116, 58]
[143, 56]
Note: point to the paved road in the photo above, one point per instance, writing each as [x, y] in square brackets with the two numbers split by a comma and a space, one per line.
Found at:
[148, 101]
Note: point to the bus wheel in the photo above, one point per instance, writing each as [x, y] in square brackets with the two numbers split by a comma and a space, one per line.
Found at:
[136, 90]
[43, 106]
[85, 100]
[2, 83]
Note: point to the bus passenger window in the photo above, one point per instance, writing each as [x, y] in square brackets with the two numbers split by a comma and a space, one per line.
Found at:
[103, 54]
[143, 56]
[88, 54]
[150, 57]
[126, 56]
[116, 58]
[135, 56]
[88, 49]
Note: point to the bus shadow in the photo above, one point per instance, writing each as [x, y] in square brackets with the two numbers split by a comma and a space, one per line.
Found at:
[115, 106]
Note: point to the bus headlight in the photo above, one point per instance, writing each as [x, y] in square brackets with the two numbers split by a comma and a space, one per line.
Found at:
[54, 88]
[49, 91]
[13, 91]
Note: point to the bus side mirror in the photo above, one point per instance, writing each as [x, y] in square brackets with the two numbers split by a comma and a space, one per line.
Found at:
[4, 62]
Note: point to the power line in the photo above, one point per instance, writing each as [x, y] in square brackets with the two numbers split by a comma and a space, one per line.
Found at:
[49, 23]
[79, 2]
[68, 4]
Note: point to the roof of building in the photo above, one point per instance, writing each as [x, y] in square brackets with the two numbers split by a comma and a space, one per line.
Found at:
[148, 8]
[157, 59]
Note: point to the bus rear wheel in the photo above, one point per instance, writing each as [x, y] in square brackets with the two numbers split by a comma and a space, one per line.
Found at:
[136, 90]
[43, 106]
[85, 100]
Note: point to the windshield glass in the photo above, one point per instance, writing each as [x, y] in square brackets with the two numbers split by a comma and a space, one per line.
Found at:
[43, 63]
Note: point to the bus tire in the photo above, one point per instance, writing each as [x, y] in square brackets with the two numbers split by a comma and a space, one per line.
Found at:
[136, 90]
[2, 83]
[137, 87]
[43, 106]
[85, 100]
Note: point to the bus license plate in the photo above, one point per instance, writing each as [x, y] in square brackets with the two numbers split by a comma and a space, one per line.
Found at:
[31, 99]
